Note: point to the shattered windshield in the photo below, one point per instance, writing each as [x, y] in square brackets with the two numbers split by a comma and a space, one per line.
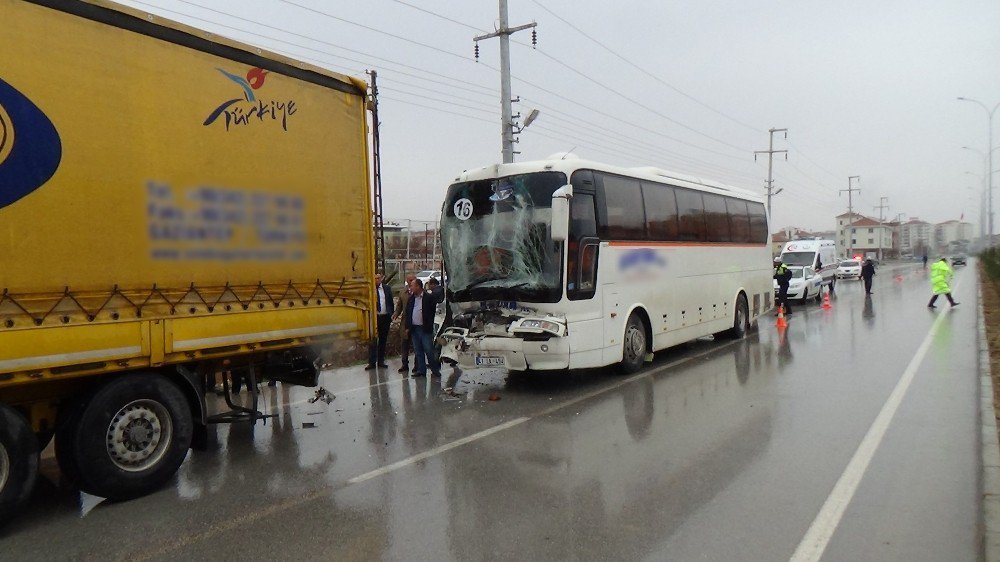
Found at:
[495, 235]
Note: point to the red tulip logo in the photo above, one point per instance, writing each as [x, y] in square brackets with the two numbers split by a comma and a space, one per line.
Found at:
[255, 77]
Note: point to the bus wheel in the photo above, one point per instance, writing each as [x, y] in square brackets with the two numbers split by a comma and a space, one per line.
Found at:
[741, 319]
[18, 462]
[633, 344]
[131, 437]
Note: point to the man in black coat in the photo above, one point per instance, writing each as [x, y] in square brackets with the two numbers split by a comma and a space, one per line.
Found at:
[867, 272]
[383, 308]
[419, 320]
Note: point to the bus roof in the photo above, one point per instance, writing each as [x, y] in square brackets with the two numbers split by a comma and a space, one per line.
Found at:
[569, 163]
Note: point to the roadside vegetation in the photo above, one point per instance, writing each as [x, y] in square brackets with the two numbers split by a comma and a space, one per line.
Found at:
[989, 274]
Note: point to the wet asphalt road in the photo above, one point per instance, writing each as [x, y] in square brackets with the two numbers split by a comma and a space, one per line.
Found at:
[717, 451]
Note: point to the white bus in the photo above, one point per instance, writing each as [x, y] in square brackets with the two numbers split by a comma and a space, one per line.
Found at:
[565, 263]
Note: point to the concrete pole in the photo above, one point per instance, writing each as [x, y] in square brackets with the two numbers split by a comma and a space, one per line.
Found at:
[770, 164]
[507, 126]
[850, 213]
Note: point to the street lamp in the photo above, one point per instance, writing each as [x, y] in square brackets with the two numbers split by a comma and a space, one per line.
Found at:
[989, 151]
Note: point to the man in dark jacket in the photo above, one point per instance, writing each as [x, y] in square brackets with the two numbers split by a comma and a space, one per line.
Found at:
[404, 334]
[383, 308]
[783, 276]
[419, 320]
[867, 272]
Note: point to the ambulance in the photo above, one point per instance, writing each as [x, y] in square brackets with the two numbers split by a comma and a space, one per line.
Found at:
[821, 255]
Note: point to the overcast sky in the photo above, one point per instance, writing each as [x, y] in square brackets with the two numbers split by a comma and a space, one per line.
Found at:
[864, 88]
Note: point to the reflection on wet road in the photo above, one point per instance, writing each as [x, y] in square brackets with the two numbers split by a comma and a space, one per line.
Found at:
[718, 450]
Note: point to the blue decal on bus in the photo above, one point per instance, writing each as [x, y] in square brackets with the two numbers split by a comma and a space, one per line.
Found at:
[641, 258]
[30, 149]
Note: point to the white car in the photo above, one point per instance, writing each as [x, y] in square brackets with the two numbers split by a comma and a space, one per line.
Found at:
[805, 284]
[848, 268]
[426, 275]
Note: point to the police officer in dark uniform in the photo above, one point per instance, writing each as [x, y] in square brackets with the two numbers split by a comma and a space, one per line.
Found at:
[783, 276]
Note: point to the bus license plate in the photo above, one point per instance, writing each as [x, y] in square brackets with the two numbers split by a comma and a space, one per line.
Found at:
[489, 361]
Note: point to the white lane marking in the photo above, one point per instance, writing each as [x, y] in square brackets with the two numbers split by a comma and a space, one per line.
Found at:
[248, 517]
[436, 451]
[517, 421]
[818, 536]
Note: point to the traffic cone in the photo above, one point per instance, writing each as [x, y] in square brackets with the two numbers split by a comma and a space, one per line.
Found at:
[826, 302]
[781, 317]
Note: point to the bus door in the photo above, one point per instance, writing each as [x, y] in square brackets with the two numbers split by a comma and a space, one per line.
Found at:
[583, 306]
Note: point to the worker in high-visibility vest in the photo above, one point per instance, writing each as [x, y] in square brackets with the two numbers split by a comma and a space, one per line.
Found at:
[941, 274]
[783, 276]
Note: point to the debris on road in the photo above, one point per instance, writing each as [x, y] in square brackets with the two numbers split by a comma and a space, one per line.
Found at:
[323, 395]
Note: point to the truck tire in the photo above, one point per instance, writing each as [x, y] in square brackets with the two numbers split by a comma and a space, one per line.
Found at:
[634, 345]
[130, 437]
[18, 462]
[67, 422]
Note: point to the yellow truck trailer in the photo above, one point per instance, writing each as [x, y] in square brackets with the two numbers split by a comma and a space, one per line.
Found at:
[172, 205]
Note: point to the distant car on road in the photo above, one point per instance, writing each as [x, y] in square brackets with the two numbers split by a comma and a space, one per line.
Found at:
[958, 259]
[848, 268]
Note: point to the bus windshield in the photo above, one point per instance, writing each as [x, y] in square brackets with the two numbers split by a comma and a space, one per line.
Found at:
[496, 242]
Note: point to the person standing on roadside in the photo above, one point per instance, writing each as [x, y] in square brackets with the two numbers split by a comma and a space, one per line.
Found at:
[867, 273]
[783, 276]
[941, 274]
[404, 333]
[384, 306]
[420, 321]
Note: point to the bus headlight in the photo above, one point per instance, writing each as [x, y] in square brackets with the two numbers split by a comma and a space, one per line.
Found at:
[537, 326]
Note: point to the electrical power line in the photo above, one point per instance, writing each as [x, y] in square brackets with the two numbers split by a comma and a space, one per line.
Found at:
[588, 77]
[646, 72]
[379, 31]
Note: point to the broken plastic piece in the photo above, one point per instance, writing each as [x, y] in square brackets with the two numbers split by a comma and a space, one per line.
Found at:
[323, 395]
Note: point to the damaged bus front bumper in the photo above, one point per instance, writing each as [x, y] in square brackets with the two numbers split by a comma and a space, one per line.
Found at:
[527, 344]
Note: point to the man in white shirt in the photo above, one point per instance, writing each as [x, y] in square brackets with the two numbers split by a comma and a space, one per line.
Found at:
[419, 318]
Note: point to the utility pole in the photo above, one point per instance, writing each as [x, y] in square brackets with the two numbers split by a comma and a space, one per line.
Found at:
[504, 33]
[881, 207]
[770, 163]
[850, 213]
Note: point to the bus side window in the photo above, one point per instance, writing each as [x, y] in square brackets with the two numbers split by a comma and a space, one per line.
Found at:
[581, 267]
[588, 265]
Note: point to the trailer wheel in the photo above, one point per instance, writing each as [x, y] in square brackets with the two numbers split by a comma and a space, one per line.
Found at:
[18, 462]
[131, 437]
[633, 344]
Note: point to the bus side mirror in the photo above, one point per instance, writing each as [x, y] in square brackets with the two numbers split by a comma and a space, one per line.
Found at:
[560, 213]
